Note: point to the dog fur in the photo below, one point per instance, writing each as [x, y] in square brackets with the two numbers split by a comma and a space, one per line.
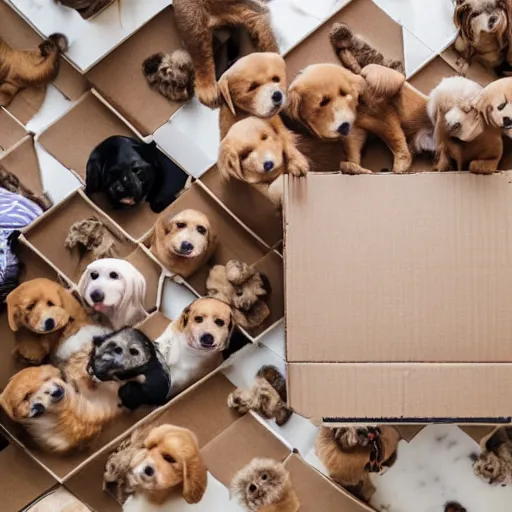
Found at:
[169, 458]
[495, 104]
[58, 418]
[192, 345]
[87, 8]
[183, 243]
[116, 289]
[264, 485]
[20, 69]
[197, 20]
[484, 31]
[13, 184]
[335, 104]
[453, 506]
[462, 133]
[243, 288]
[170, 74]
[345, 453]
[494, 465]
[355, 54]
[263, 397]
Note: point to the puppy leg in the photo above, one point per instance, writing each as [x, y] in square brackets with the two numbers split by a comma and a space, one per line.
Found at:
[483, 166]
[260, 31]
[353, 145]
[443, 162]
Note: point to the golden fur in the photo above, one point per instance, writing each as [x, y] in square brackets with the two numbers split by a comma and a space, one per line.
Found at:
[495, 104]
[336, 104]
[172, 454]
[186, 227]
[264, 485]
[29, 68]
[58, 418]
[345, 453]
[197, 20]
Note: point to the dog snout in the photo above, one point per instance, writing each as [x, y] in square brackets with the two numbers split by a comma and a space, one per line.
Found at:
[252, 488]
[492, 21]
[277, 97]
[186, 247]
[207, 340]
[507, 122]
[344, 128]
[97, 296]
[49, 324]
[57, 393]
[37, 410]
[268, 166]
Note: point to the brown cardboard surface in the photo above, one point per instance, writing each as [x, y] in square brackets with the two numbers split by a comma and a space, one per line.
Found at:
[409, 432]
[477, 433]
[253, 209]
[119, 78]
[154, 325]
[11, 131]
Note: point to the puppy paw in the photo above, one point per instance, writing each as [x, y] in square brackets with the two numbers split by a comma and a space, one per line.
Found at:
[402, 163]
[298, 164]
[353, 169]
[477, 167]
[208, 94]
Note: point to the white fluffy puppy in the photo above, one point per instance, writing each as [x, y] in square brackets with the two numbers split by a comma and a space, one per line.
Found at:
[116, 289]
[192, 345]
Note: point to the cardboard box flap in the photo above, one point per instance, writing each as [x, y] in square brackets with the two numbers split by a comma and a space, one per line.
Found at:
[155, 325]
[11, 131]
[247, 204]
[430, 76]
[316, 493]
[477, 433]
[241, 442]
[418, 266]
[21, 479]
[119, 78]
[409, 432]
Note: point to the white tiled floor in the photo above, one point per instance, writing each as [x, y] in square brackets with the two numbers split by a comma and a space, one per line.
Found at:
[435, 467]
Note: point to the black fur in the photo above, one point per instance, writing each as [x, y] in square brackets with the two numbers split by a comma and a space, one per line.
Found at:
[151, 64]
[127, 169]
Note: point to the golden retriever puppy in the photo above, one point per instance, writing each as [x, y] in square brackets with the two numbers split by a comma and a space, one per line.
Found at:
[495, 105]
[169, 458]
[461, 132]
[335, 104]
[259, 151]
[183, 243]
[347, 455]
[58, 418]
[484, 31]
[192, 345]
[264, 485]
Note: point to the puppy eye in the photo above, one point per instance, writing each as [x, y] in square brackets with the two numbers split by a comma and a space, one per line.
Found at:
[30, 307]
[220, 322]
[26, 398]
[169, 459]
[118, 350]
[264, 476]
[342, 93]
[94, 275]
[134, 352]
[50, 303]
[245, 154]
[239, 293]
[325, 101]
[201, 229]
[114, 275]
[181, 225]
[276, 79]
[253, 86]
[502, 106]
[198, 319]
[264, 136]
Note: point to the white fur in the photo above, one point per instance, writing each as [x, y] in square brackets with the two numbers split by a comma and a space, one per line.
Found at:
[424, 141]
[343, 115]
[263, 100]
[124, 296]
[78, 341]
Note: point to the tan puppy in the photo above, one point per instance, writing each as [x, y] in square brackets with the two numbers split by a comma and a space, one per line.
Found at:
[197, 20]
[461, 132]
[29, 68]
[484, 31]
[495, 105]
[170, 457]
[345, 452]
[47, 309]
[183, 243]
[57, 417]
[336, 104]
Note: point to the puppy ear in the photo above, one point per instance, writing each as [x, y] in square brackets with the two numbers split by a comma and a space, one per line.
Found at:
[224, 91]
[135, 291]
[484, 107]
[83, 283]
[13, 311]
[69, 303]
[293, 104]
[183, 319]
[228, 162]
[194, 478]
[212, 238]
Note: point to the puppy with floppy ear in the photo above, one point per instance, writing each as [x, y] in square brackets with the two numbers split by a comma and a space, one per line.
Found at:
[495, 104]
[116, 289]
[170, 457]
[192, 345]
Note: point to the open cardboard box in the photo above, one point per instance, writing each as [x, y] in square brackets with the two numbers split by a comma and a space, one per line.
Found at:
[11, 131]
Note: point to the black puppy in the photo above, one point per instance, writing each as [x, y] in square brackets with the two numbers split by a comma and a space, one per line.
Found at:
[128, 171]
[129, 355]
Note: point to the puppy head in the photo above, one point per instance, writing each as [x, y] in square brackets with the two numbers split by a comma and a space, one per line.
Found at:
[120, 354]
[170, 457]
[33, 392]
[488, 466]
[41, 305]
[208, 324]
[495, 105]
[452, 103]
[262, 483]
[247, 285]
[251, 151]
[324, 98]
[110, 285]
[255, 84]
[187, 235]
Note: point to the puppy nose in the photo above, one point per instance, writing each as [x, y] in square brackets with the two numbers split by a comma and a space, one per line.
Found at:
[507, 121]
[277, 97]
[492, 21]
[252, 488]
[344, 128]
[207, 340]
[97, 296]
[268, 166]
[57, 393]
[186, 247]
[149, 471]
[49, 324]
[37, 410]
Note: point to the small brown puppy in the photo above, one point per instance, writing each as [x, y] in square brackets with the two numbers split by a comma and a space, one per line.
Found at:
[494, 465]
[47, 309]
[184, 242]
[170, 457]
[197, 20]
[264, 485]
[346, 453]
[484, 31]
[29, 68]
[335, 104]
